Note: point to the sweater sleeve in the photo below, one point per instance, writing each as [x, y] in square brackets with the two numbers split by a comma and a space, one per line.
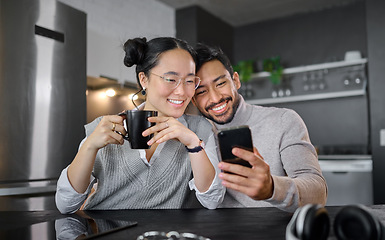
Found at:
[68, 200]
[304, 182]
[216, 192]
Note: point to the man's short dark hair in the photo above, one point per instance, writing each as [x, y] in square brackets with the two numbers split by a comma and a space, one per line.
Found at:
[207, 53]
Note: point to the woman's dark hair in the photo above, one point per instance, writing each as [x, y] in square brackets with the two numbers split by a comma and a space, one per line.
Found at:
[207, 53]
[146, 54]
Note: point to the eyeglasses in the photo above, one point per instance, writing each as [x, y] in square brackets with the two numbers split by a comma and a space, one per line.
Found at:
[173, 80]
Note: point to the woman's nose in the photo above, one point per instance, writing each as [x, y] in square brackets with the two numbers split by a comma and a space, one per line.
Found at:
[180, 89]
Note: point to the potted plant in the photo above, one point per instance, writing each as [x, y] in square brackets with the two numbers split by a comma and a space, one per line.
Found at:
[273, 66]
[245, 69]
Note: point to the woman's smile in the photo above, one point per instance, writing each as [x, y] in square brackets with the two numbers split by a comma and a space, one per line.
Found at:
[176, 102]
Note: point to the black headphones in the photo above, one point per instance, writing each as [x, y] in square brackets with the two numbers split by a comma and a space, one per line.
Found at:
[351, 222]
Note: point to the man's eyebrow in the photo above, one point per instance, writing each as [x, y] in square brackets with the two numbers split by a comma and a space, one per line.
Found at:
[215, 80]
[218, 78]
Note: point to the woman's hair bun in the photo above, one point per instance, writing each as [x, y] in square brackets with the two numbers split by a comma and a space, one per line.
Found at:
[135, 51]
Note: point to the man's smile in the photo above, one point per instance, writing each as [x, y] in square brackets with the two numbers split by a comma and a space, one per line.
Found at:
[219, 108]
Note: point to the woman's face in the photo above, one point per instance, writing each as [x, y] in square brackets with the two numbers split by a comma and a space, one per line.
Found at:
[160, 95]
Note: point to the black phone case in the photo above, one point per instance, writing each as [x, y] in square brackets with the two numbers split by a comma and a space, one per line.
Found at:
[229, 138]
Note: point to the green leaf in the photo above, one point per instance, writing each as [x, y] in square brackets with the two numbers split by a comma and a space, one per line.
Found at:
[273, 66]
[244, 69]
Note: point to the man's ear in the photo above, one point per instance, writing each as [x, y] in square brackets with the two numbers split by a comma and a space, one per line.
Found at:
[143, 80]
[236, 80]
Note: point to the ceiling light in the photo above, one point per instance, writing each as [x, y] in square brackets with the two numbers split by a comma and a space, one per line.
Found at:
[110, 92]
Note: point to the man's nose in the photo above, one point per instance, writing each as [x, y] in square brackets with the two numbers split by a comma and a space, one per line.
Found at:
[215, 96]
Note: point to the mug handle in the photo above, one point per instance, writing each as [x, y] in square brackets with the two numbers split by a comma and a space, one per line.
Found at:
[124, 115]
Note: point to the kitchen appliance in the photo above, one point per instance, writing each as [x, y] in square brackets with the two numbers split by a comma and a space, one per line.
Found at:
[332, 100]
[42, 98]
[349, 179]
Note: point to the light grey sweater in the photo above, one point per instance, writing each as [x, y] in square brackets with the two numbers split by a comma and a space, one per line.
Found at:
[125, 182]
[282, 139]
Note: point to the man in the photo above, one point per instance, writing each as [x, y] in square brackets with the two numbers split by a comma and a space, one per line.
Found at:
[285, 173]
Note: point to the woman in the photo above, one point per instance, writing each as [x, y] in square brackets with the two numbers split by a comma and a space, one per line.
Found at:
[158, 177]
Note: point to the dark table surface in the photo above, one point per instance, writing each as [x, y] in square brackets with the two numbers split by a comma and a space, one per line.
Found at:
[240, 223]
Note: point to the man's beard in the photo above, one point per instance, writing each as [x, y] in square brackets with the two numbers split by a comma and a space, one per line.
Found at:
[230, 118]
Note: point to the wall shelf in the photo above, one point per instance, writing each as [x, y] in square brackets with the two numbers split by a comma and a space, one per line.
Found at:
[309, 97]
[314, 67]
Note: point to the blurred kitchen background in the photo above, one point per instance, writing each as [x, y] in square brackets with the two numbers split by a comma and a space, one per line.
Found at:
[62, 66]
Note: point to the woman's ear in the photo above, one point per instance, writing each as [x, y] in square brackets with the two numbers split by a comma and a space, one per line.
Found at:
[143, 80]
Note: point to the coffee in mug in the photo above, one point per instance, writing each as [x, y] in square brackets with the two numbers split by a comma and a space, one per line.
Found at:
[137, 122]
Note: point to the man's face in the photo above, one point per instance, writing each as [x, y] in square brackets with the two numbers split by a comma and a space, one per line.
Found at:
[217, 97]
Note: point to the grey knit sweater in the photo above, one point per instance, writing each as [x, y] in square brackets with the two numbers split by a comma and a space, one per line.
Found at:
[126, 182]
[282, 139]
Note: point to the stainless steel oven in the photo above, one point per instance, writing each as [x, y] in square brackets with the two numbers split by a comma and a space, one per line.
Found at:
[349, 178]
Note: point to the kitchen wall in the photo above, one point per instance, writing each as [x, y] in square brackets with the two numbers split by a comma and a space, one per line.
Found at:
[111, 23]
[197, 25]
[305, 39]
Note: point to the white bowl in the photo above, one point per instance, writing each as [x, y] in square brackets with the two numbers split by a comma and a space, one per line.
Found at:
[352, 55]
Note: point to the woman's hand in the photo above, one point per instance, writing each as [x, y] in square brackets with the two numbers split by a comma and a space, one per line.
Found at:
[79, 171]
[107, 132]
[167, 128]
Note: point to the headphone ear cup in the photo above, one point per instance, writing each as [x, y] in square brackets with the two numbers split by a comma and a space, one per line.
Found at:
[310, 222]
[317, 224]
[356, 222]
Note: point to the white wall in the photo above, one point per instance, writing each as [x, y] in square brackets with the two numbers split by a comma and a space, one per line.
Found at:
[111, 22]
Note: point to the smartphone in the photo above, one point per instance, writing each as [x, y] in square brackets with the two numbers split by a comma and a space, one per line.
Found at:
[228, 138]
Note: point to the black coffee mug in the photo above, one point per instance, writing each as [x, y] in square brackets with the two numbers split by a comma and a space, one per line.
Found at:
[137, 122]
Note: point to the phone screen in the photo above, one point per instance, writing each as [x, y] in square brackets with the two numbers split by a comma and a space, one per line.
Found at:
[228, 138]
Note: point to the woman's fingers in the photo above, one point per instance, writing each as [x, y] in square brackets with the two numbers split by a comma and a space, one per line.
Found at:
[167, 128]
[107, 131]
[157, 128]
[163, 132]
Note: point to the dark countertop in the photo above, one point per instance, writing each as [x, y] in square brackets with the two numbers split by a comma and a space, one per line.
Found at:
[240, 223]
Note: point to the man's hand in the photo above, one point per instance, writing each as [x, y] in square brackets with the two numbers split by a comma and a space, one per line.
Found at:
[255, 182]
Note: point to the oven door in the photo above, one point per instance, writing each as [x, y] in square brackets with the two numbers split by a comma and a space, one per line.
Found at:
[349, 179]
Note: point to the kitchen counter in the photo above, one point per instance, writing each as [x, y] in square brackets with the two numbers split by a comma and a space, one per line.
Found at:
[241, 223]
